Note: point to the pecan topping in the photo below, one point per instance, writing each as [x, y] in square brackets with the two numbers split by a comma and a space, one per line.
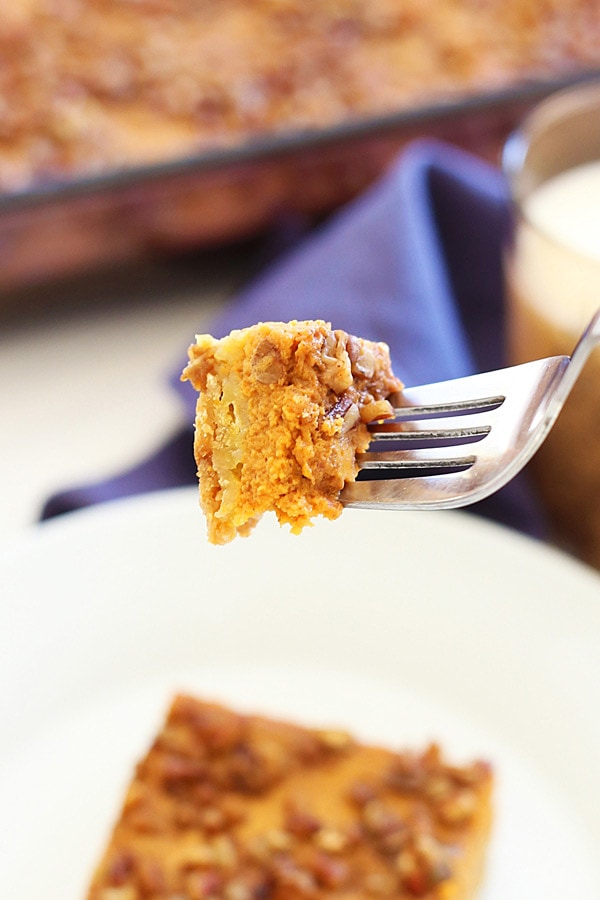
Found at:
[331, 840]
[120, 868]
[381, 884]
[423, 865]
[329, 872]
[238, 831]
[178, 768]
[458, 809]
[333, 739]
[202, 885]
[126, 892]
[407, 774]
[267, 364]
[364, 363]
[360, 793]
[301, 823]
[380, 819]
[375, 410]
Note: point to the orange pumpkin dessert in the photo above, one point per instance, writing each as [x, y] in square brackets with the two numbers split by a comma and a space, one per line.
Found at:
[282, 412]
[89, 86]
[240, 807]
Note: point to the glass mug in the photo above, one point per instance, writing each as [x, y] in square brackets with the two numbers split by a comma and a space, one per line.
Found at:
[553, 281]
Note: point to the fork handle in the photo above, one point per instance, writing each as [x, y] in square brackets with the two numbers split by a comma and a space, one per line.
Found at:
[586, 343]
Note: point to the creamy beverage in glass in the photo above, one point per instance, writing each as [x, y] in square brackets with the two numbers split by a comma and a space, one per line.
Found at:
[553, 277]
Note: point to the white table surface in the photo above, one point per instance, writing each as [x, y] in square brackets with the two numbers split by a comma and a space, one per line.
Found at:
[84, 374]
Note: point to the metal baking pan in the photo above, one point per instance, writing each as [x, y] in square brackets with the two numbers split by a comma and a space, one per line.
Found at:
[227, 194]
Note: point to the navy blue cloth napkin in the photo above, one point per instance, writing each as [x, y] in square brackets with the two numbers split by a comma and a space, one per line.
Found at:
[415, 261]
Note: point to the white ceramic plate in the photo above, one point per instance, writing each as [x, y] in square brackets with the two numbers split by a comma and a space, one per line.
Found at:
[400, 626]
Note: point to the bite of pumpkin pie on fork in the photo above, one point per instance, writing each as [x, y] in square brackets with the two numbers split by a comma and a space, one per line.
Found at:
[302, 420]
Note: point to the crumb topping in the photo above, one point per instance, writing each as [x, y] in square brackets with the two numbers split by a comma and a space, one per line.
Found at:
[237, 807]
[87, 85]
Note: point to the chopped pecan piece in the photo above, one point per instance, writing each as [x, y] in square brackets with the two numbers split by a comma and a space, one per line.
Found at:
[458, 809]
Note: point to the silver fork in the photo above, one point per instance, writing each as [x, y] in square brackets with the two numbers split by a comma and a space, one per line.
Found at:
[456, 442]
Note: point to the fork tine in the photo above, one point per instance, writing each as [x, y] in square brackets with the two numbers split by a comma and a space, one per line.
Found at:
[430, 492]
[453, 428]
[415, 403]
[429, 458]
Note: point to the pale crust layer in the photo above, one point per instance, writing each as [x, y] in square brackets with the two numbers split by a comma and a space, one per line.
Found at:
[240, 807]
[281, 414]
